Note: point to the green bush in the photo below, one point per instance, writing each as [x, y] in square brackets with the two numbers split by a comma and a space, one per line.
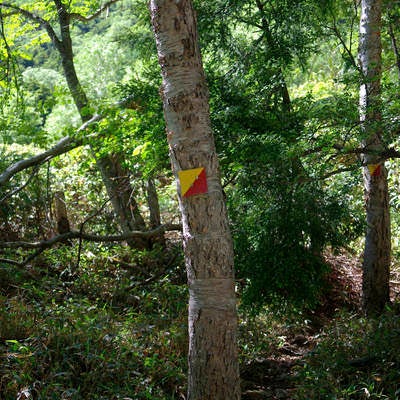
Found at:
[282, 221]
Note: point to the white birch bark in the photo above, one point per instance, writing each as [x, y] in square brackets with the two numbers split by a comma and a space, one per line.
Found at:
[213, 363]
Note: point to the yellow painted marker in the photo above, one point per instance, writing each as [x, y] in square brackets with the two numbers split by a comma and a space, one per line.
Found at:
[193, 181]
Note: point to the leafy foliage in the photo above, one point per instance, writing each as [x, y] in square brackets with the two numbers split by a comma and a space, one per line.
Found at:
[281, 226]
[283, 210]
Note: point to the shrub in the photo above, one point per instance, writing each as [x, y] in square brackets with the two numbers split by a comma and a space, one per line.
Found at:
[282, 221]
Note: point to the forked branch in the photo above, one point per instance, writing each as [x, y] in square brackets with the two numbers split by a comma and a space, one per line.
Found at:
[34, 18]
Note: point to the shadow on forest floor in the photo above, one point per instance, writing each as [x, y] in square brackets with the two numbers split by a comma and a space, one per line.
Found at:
[276, 377]
[273, 378]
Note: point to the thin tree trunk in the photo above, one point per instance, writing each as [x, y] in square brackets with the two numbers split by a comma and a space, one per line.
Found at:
[115, 178]
[116, 181]
[213, 360]
[395, 47]
[154, 209]
[152, 202]
[392, 23]
[377, 249]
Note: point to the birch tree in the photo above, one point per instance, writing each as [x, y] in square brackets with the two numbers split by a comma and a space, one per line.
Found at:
[213, 362]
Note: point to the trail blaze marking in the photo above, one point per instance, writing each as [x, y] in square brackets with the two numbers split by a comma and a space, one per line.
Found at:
[193, 181]
[374, 169]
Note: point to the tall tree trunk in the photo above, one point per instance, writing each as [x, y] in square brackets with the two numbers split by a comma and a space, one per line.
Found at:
[213, 360]
[115, 178]
[377, 241]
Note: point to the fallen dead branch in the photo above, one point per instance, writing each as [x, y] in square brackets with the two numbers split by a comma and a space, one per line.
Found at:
[41, 246]
[44, 244]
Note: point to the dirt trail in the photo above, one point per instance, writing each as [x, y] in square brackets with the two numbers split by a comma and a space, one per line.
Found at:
[273, 377]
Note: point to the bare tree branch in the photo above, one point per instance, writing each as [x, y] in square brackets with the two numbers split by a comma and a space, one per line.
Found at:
[46, 24]
[10, 66]
[347, 50]
[45, 244]
[386, 154]
[24, 262]
[82, 18]
[11, 262]
[97, 212]
[36, 19]
[18, 189]
[336, 32]
[65, 145]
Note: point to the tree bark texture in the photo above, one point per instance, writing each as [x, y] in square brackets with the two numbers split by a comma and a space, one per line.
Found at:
[213, 360]
[153, 204]
[64, 47]
[377, 249]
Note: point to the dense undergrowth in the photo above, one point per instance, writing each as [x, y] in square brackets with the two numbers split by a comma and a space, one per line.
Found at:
[355, 358]
[114, 327]
[109, 330]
